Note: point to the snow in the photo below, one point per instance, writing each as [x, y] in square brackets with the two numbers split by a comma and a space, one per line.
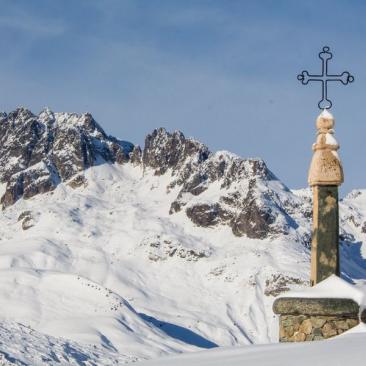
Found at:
[326, 114]
[344, 350]
[22, 345]
[106, 267]
[304, 195]
[335, 154]
[2, 189]
[106, 235]
[333, 287]
[330, 139]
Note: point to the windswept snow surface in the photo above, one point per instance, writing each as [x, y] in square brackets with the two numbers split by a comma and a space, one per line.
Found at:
[23, 346]
[106, 266]
[345, 350]
[334, 287]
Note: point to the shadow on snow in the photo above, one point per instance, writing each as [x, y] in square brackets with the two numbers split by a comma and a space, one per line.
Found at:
[183, 334]
[352, 262]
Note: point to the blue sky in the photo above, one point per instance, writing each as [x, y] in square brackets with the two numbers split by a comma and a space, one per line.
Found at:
[223, 71]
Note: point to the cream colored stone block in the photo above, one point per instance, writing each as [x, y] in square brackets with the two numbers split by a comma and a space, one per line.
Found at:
[326, 167]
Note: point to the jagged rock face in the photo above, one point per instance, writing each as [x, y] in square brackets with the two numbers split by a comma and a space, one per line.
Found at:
[162, 247]
[253, 221]
[221, 188]
[206, 215]
[39, 152]
[164, 150]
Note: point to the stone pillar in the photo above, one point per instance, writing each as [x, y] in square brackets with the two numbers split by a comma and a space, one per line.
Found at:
[325, 175]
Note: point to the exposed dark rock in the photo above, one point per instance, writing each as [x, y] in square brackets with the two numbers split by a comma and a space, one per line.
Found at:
[246, 201]
[347, 237]
[27, 220]
[253, 221]
[24, 214]
[78, 181]
[160, 248]
[164, 150]
[39, 152]
[246, 204]
[207, 215]
[175, 207]
[279, 283]
[363, 316]
[136, 155]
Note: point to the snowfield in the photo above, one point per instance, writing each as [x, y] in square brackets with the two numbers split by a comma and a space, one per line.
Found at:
[107, 265]
[345, 350]
[103, 275]
[22, 345]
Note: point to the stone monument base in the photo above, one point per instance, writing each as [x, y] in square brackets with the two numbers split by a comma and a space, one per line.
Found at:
[312, 319]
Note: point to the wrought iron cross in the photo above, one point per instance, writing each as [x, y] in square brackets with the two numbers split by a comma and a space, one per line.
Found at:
[344, 78]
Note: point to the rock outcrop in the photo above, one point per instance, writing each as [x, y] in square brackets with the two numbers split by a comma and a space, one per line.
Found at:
[221, 188]
[37, 152]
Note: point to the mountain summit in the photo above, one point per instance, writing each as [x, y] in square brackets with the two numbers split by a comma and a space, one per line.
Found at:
[38, 152]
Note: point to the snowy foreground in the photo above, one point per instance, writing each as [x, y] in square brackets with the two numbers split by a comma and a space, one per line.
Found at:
[347, 350]
[103, 275]
[23, 346]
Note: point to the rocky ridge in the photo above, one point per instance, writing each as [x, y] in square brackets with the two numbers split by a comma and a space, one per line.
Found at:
[38, 152]
[223, 189]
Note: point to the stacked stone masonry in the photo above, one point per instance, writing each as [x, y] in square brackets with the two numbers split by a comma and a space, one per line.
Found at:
[301, 328]
[313, 319]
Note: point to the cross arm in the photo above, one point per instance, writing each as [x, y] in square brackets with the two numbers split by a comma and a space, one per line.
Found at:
[344, 78]
[305, 77]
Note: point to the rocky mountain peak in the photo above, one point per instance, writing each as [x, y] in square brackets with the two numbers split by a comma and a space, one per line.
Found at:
[20, 114]
[39, 151]
[221, 188]
[243, 194]
[165, 150]
[47, 116]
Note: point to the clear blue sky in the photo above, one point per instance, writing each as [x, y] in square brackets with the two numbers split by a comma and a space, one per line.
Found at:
[223, 72]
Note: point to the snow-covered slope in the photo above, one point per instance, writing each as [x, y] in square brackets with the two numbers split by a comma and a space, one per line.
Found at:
[345, 350]
[94, 252]
[21, 345]
[169, 249]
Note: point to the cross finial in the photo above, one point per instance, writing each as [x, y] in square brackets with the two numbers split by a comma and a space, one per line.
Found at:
[324, 77]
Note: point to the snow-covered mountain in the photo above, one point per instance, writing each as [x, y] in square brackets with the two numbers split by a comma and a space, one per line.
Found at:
[139, 253]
